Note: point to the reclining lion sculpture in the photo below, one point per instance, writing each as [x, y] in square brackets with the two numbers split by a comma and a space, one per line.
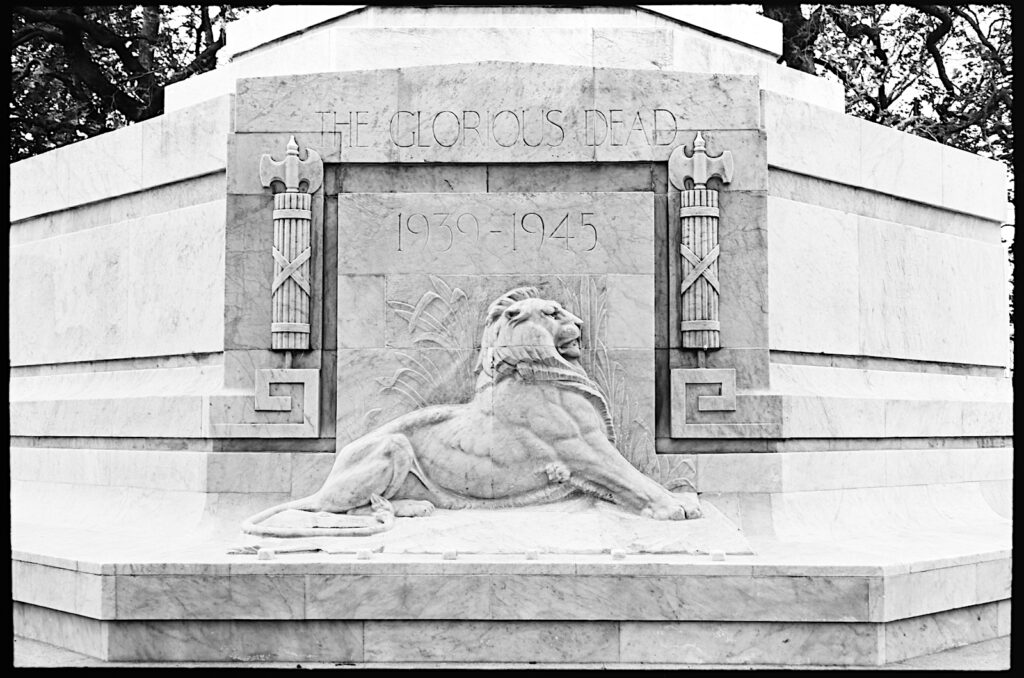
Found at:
[537, 430]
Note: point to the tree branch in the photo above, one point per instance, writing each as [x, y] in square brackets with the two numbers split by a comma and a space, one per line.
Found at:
[72, 22]
[966, 16]
[931, 41]
[855, 31]
[29, 33]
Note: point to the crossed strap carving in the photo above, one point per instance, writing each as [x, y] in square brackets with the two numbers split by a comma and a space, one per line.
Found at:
[701, 267]
[290, 269]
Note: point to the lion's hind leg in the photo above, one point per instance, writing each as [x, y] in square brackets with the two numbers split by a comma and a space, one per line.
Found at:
[376, 465]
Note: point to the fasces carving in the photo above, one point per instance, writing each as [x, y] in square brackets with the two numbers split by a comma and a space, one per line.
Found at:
[256, 416]
[699, 214]
[537, 429]
[293, 215]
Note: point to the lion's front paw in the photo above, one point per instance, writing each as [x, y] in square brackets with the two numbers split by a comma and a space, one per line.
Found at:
[412, 508]
[557, 473]
[690, 504]
[682, 507]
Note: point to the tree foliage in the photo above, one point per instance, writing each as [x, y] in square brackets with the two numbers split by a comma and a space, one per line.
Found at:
[77, 71]
[943, 72]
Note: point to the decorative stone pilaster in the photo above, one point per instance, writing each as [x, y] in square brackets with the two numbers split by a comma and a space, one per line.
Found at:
[293, 216]
[699, 215]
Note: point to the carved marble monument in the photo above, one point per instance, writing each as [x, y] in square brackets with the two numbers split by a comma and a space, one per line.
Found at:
[538, 429]
[460, 310]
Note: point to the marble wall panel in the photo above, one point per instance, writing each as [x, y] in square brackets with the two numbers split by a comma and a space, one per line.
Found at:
[970, 181]
[355, 48]
[810, 140]
[930, 633]
[139, 416]
[194, 191]
[897, 162]
[824, 417]
[92, 295]
[476, 641]
[1003, 612]
[27, 176]
[868, 203]
[70, 631]
[739, 473]
[827, 470]
[186, 143]
[989, 464]
[248, 472]
[994, 578]
[739, 643]
[169, 148]
[930, 296]
[103, 166]
[929, 591]
[606, 233]
[817, 142]
[813, 290]
[55, 465]
[359, 596]
[80, 593]
[987, 418]
[236, 641]
[239, 596]
[725, 598]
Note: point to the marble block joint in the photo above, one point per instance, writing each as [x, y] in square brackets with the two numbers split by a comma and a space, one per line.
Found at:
[699, 215]
[293, 217]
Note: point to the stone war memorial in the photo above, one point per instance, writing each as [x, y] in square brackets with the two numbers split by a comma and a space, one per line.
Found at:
[452, 334]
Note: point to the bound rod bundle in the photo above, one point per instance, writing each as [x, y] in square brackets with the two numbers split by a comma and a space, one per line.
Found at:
[293, 220]
[698, 247]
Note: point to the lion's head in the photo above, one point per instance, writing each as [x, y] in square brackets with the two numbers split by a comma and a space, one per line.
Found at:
[524, 332]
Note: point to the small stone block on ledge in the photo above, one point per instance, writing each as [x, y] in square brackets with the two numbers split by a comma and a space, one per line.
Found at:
[363, 554]
[618, 554]
[450, 555]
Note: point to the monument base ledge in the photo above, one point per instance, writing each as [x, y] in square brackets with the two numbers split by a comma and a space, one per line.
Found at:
[133, 595]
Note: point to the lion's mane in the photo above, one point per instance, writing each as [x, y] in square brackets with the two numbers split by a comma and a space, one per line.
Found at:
[522, 347]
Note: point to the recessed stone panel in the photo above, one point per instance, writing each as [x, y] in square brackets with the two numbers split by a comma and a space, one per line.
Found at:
[419, 272]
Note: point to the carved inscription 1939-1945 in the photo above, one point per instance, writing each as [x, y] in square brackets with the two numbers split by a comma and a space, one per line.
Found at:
[573, 230]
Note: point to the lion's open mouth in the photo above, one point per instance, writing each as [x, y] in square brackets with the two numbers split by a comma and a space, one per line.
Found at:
[570, 348]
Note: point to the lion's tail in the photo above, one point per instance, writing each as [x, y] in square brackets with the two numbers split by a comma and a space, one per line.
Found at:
[252, 525]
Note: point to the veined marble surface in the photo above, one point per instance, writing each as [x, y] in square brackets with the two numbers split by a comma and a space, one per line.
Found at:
[582, 525]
